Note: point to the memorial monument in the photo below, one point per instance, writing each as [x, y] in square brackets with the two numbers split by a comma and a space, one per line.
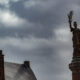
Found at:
[74, 66]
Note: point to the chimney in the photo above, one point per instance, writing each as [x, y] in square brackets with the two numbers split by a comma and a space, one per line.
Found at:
[27, 64]
[2, 76]
[1, 52]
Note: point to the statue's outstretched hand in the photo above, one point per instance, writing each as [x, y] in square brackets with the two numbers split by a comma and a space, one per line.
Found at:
[70, 16]
[70, 19]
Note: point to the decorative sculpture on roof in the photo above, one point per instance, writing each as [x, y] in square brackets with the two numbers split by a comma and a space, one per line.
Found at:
[76, 35]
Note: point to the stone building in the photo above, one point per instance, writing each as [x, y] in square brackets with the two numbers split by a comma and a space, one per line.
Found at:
[14, 71]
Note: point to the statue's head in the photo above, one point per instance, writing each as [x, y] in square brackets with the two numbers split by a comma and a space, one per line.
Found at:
[75, 24]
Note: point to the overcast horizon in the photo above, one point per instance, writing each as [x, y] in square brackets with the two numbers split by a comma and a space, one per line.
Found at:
[38, 31]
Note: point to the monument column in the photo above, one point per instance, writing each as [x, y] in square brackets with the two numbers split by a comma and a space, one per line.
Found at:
[74, 66]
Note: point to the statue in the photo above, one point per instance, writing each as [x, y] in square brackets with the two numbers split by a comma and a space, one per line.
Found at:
[76, 35]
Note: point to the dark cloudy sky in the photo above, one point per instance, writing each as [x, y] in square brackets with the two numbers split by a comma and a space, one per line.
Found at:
[37, 30]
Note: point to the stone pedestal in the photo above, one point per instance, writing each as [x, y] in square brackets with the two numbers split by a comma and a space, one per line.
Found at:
[75, 68]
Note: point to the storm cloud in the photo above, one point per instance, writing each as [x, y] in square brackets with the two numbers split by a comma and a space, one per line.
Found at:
[37, 30]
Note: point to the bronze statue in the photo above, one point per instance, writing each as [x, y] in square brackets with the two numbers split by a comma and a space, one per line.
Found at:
[76, 35]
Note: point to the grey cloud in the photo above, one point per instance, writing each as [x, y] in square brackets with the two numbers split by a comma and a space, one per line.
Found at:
[48, 62]
[45, 21]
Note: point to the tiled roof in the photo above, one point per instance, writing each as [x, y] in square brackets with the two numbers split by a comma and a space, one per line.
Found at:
[14, 71]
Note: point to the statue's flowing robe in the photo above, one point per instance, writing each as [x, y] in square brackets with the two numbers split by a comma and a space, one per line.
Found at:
[76, 41]
[79, 38]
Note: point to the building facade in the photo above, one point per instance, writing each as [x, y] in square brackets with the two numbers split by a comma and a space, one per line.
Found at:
[15, 71]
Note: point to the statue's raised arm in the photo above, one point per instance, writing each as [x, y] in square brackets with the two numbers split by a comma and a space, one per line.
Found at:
[76, 35]
[70, 19]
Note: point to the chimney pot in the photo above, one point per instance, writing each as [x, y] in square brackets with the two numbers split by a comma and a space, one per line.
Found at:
[27, 63]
